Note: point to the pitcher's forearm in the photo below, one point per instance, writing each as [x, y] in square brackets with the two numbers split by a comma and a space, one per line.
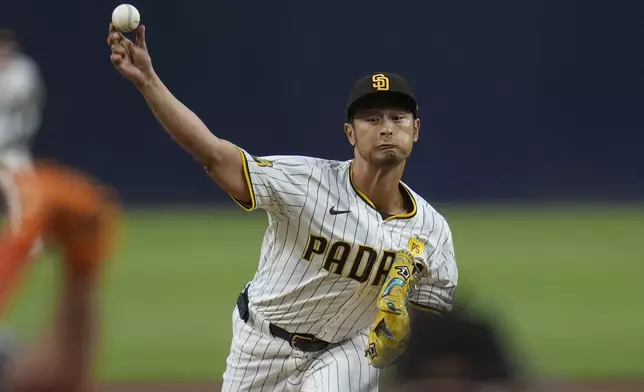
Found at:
[181, 123]
[221, 158]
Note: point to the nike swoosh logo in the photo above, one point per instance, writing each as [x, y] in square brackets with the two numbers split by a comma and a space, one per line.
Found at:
[333, 211]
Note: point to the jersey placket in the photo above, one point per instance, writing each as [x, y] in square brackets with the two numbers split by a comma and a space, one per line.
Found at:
[382, 242]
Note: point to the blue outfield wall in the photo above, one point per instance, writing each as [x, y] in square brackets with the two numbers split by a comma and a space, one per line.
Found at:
[518, 99]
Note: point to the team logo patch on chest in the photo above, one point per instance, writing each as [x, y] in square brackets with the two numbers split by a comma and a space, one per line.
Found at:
[416, 246]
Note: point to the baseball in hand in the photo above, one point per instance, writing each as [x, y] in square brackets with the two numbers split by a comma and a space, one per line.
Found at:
[126, 18]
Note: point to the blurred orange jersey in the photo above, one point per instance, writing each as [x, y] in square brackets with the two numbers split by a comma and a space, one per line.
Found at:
[70, 210]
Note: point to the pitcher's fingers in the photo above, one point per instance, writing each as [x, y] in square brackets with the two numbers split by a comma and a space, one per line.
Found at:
[140, 37]
[113, 29]
[114, 38]
[118, 49]
[114, 35]
[129, 47]
[109, 33]
[116, 59]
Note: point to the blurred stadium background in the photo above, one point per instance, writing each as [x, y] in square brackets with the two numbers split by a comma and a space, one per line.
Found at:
[531, 146]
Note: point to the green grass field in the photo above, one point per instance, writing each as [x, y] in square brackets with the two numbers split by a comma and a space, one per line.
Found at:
[566, 282]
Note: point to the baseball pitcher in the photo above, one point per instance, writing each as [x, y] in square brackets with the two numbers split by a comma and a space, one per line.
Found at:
[348, 246]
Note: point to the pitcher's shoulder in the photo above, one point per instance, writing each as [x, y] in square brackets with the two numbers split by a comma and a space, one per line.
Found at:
[426, 210]
[302, 160]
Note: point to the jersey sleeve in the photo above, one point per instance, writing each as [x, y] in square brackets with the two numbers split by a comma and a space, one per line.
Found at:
[435, 291]
[277, 184]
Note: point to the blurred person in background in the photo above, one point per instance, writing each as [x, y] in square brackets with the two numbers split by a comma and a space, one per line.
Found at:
[76, 215]
[461, 351]
[22, 98]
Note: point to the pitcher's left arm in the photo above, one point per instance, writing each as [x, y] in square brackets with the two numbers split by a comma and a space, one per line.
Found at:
[424, 277]
[390, 330]
[435, 291]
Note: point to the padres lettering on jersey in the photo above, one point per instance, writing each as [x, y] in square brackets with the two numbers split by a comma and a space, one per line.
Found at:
[327, 250]
[337, 254]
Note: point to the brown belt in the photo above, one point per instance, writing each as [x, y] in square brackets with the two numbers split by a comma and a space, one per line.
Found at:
[298, 341]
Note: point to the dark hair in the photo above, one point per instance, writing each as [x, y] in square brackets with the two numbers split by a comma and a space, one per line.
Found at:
[382, 100]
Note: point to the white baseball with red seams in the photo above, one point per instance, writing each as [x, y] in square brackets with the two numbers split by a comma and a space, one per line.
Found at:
[126, 18]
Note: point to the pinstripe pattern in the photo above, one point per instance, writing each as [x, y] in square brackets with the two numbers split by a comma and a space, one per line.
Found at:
[260, 363]
[311, 279]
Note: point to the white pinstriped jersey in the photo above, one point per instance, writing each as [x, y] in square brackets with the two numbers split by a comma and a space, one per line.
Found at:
[327, 250]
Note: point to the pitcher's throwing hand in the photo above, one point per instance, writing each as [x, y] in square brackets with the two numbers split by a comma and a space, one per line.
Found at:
[131, 59]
